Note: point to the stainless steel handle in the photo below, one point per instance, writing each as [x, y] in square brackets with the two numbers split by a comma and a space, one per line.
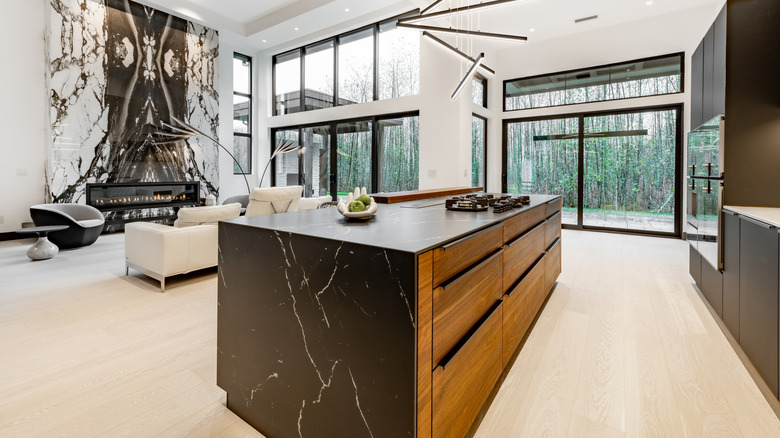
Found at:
[471, 236]
[757, 222]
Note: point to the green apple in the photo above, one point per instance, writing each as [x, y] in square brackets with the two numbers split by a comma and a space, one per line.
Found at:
[356, 207]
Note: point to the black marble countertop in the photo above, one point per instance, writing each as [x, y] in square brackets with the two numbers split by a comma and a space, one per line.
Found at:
[395, 226]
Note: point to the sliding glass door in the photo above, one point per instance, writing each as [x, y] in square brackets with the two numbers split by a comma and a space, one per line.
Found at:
[542, 158]
[615, 171]
[630, 162]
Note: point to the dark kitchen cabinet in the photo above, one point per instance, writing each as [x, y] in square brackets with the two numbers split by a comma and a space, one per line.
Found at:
[712, 286]
[731, 273]
[697, 86]
[758, 297]
[708, 74]
[719, 64]
[694, 264]
[708, 77]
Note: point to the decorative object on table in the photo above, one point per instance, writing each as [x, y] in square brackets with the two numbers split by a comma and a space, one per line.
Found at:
[43, 248]
[282, 147]
[210, 200]
[84, 223]
[184, 131]
[328, 204]
[358, 205]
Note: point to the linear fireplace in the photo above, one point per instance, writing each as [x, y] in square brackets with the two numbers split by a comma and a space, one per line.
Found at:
[140, 195]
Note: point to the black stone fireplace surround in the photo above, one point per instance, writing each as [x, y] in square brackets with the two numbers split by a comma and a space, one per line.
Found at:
[141, 201]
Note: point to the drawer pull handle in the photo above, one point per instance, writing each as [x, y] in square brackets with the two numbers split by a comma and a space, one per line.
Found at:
[759, 223]
[454, 281]
[553, 201]
[471, 236]
[557, 213]
[454, 352]
[520, 237]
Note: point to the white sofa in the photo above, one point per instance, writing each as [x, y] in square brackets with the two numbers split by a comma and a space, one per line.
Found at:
[161, 251]
[274, 200]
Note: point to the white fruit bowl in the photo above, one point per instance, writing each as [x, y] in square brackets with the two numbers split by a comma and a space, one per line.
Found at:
[364, 215]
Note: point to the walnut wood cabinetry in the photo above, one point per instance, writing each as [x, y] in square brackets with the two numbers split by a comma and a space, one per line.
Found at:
[485, 290]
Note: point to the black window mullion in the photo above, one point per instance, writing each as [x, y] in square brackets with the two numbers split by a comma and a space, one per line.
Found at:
[335, 72]
[333, 161]
[376, 61]
[302, 103]
[581, 170]
[374, 154]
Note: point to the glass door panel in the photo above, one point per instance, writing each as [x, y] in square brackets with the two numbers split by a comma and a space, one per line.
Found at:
[353, 156]
[542, 158]
[286, 165]
[399, 154]
[316, 161]
[630, 163]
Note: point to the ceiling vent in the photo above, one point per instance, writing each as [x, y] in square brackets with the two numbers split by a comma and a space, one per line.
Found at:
[580, 20]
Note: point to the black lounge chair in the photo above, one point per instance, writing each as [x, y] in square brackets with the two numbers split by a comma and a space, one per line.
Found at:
[85, 223]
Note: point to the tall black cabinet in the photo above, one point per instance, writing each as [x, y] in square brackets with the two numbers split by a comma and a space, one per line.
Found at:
[708, 74]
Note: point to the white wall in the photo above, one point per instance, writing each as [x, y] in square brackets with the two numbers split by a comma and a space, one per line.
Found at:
[22, 111]
[230, 184]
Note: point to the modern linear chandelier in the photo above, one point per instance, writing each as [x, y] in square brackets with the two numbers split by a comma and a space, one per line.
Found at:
[428, 14]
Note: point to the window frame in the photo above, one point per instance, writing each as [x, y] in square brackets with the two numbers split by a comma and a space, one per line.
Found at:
[680, 55]
[484, 81]
[335, 39]
[334, 142]
[249, 134]
[679, 188]
[484, 149]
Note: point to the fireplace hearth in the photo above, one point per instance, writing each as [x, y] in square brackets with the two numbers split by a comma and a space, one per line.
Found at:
[144, 201]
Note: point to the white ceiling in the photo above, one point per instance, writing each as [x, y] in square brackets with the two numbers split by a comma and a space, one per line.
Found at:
[249, 22]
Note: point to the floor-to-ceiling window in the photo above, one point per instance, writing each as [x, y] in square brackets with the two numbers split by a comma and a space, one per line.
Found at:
[615, 170]
[380, 153]
[478, 150]
[398, 153]
[242, 114]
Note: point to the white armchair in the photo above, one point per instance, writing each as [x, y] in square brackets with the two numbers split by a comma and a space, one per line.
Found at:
[161, 251]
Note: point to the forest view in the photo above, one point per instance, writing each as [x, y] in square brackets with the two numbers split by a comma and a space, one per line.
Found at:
[629, 163]
[397, 141]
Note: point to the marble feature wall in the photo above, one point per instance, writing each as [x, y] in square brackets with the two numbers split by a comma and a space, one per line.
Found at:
[117, 70]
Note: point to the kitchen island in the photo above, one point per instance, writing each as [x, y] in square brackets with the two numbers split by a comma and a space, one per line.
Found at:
[398, 326]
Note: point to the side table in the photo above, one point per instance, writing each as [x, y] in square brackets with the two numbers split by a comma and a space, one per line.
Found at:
[43, 248]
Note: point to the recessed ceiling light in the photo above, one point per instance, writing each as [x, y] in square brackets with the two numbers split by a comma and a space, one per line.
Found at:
[531, 29]
[346, 9]
[296, 28]
[649, 3]
[265, 41]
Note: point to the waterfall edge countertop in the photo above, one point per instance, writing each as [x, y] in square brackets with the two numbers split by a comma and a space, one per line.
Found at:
[768, 215]
[399, 227]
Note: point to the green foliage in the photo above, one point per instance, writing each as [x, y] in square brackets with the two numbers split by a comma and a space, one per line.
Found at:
[626, 173]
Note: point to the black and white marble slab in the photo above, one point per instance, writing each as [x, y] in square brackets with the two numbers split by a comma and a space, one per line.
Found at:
[117, 70]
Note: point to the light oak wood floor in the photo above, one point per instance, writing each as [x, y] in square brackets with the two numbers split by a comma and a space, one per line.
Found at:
[624, 346]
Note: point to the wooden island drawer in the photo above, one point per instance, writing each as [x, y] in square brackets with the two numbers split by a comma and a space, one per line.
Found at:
[520, 307]
[460, 303]
[552, 207]
[552, 265]
[521, 253]
[552, 229]
[517, 225]
[461, 387]
[456, 256]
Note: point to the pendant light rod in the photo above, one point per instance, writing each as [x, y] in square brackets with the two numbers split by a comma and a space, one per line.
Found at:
[501, 36]
[431, 6]
[469, 8]
[468, 76]
[454, 50]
